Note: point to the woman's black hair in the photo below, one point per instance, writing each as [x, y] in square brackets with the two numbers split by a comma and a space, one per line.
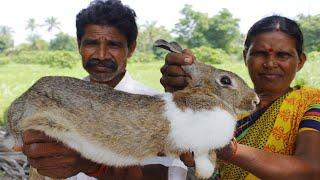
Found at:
[276, 23]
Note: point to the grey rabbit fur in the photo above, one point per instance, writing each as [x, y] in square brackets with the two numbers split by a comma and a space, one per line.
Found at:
[121, 129]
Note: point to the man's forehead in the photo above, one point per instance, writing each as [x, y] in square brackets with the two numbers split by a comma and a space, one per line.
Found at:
[103, 32]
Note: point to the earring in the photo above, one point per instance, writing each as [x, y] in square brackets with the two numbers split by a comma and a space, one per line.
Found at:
[264, 64]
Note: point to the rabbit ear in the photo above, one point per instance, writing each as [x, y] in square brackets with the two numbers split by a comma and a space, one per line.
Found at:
[170, 46]
[194, 73]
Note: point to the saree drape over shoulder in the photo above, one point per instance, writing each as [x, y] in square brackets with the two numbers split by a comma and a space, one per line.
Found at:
[275, 128]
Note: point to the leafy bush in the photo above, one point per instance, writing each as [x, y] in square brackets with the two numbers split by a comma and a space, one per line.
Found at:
[210, 55]
[4, 60]
[63, 59]
[314, 56]
[63, 41]
[142, 57]
[6, 42]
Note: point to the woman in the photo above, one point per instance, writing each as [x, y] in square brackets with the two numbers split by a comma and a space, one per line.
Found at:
[281, 140]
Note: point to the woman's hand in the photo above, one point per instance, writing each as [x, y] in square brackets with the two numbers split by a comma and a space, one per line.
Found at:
[228, 152]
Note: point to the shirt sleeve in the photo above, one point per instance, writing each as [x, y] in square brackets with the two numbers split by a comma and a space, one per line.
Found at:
[311, 119]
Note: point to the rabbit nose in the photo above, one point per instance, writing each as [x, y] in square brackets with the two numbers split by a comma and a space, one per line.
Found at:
[255, 101]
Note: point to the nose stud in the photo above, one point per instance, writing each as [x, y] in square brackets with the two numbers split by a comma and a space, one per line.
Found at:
[274, 64]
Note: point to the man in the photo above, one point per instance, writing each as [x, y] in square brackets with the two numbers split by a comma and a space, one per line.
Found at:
[106, 34]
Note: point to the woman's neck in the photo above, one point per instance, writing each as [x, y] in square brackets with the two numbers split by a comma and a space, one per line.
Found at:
[267, 97]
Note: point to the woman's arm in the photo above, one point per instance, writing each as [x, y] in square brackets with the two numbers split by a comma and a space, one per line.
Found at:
[304, 164]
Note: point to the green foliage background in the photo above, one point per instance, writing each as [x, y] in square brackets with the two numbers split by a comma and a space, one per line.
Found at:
[62, 59]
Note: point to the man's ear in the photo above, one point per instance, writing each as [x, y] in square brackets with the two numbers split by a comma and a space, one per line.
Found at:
[132, 48]
[244, 55]
[302, 59]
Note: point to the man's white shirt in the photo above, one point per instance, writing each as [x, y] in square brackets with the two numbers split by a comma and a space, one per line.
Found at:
[176, 169]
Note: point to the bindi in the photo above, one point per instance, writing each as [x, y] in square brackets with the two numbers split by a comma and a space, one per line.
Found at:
[270, 50]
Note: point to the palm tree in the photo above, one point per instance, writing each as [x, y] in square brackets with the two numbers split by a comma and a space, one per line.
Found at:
[31, 24]
[34, 36]
[6, 38]
[52, 23]
[6, 30]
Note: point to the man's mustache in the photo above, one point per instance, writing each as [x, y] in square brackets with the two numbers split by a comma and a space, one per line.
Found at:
[108, 63]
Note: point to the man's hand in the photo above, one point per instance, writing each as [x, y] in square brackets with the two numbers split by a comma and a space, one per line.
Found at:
[173, 77]
[52, 158]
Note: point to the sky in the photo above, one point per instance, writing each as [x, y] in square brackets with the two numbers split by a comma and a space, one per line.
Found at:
[15, 13]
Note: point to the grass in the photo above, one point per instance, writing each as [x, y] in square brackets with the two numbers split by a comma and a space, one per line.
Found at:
[17, 78]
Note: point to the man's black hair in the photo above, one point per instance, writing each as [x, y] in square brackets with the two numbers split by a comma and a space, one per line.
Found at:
[276, 23]
[109, 13]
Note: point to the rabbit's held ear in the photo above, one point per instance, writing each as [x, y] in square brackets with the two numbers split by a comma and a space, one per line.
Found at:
[194, 73]
[175, 47]
[170, 46]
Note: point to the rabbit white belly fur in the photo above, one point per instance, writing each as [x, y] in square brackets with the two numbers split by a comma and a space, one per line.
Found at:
[199, 131]
[94, 151]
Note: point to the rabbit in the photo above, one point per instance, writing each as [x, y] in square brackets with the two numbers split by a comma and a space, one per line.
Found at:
[122, 129]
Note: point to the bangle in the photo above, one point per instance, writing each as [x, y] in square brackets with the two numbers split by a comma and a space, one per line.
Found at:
[99, 172]
[235, 144]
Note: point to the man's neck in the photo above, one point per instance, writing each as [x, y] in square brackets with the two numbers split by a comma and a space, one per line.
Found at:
[112, 83]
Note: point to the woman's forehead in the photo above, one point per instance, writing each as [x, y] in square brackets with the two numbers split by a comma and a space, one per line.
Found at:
[273, 40]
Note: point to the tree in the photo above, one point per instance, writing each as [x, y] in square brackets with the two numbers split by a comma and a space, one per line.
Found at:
[31, 25]
[191, 28]
[197, 29]
[52, 23]
[6, 39]
[63, 41]
[310, 26]
[6, 30]
[37, 43]
[34, 36]
[223, 31]
[148, 34]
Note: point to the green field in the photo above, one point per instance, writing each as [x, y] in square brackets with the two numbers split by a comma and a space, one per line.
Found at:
[17, 78]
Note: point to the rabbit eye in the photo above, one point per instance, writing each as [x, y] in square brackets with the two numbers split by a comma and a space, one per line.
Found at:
[225, 80]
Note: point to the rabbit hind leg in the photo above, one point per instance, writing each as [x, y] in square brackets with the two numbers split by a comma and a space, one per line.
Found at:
[204, 165]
